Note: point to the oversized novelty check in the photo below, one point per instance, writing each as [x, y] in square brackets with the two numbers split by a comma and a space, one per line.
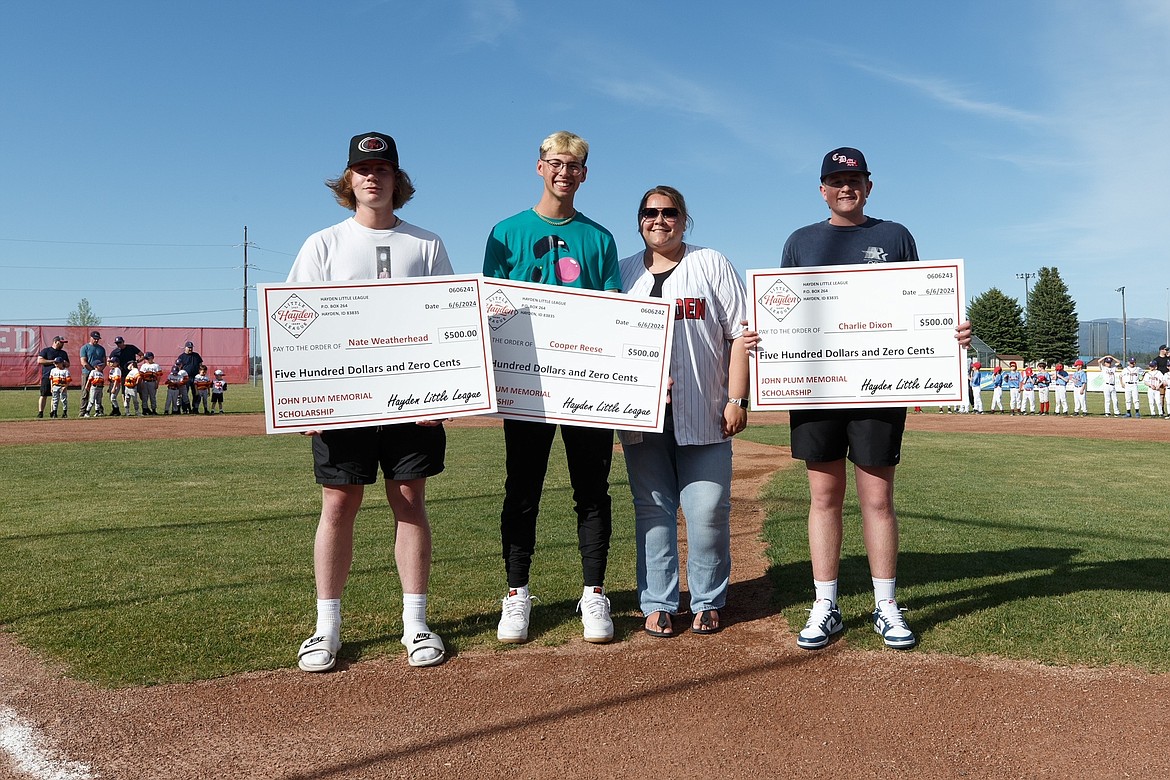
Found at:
[579, 357]
[353, 354]
[840, 336]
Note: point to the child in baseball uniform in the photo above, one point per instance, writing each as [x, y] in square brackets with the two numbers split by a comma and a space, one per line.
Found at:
[114, 377]
[1043, 380]
[1028, 391]
[202, 384]
[95, 387]
[174, 388]
[1130, 376]
[976, 388]
[130, 390]
[997, 389]
[1012, 379]
[1080, 384]
[59, 384]
[184, 393]
[1155, 381]
[150, 372]
[1109, 385]
[218, 388]
[1060, 382]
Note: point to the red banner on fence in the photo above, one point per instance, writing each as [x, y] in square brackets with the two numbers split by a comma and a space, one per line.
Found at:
[225, 349]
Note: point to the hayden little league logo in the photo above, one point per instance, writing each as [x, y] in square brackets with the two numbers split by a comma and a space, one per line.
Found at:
[295, 316]
[499, 309]
[779, 300]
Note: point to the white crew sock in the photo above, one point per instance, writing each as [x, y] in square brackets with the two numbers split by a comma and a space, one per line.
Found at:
[414, 613]
[883, 590]
[329, 618]
[826, 590]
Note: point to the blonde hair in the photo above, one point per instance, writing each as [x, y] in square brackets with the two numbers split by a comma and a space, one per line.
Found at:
[343, 189]
[564, 142]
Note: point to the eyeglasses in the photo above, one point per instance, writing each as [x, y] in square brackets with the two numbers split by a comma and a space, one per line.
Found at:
[670, 213]
[574, 169]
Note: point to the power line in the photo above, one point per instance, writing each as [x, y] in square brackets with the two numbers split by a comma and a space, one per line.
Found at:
[108, 243]
[42, 267]
[137, 290]
[273, 251]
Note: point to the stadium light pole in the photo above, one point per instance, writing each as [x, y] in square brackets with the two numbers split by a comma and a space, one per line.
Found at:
[245, 276]
[1026, 276]
[1124, 326]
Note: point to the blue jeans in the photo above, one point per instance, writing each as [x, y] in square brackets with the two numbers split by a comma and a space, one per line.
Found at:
[664, 475]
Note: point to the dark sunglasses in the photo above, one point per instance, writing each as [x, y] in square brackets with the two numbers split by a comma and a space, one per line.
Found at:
[667, 213]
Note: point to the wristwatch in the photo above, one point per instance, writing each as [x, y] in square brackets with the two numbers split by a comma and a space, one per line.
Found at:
[740, 402]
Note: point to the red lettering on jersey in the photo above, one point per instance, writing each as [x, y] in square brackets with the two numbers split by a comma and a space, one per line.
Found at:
[690, 308]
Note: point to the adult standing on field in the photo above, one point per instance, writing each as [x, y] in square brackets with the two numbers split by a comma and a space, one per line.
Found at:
[688, 465]
[126, 354]
[189, 360]
[346, 460]
[47, 360]
[553, 243]
[93, 355]
[870, 438]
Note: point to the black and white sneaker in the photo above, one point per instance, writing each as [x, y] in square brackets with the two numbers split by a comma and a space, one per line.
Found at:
[888, 621]
[824, 620]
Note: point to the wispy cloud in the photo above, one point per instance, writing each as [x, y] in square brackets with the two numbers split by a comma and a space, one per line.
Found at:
[489, 20]
[953, 96]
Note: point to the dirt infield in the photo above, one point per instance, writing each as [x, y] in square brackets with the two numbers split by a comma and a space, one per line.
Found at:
[744, 703]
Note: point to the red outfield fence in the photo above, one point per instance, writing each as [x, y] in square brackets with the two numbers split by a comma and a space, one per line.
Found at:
[222, 348]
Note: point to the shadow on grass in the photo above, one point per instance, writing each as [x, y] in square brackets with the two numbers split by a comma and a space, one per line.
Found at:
[996, 577]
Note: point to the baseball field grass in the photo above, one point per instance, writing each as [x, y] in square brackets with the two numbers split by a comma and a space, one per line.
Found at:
[242, 398]
[1020, 547]
[160, 561]
[164, 561]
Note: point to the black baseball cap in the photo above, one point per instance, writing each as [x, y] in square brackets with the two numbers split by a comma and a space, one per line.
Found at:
[845, 158]
[372, 146]
[149, 355]
[189, 344]
[62, 339]
[60, 359]
[119, 340]
[95, 335]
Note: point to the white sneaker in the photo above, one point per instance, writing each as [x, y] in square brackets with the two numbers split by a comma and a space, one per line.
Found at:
[594, 609]
[888, 621]
[513, 628]
[824, 620]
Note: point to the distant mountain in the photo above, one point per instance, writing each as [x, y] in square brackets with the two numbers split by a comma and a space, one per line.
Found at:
[1145, 335]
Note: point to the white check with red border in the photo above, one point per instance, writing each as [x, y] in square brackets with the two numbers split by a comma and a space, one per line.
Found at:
[356, 354]
[853, 336]
[579, 357]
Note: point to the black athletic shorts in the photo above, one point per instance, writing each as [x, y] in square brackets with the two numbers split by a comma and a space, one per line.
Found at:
[46, 386]
[351, 456]
[868, 437]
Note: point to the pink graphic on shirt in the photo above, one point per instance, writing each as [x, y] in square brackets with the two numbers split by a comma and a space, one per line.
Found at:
[568, 269]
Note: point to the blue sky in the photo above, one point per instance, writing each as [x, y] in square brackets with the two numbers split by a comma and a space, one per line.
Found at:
[138, 139]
